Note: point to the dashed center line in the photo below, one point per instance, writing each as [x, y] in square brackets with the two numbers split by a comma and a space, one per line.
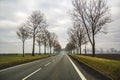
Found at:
[32, 74]
[36, 71]
[47, 64]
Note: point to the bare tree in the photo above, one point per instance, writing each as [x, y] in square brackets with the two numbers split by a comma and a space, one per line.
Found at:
[57, 47]
[70, 47]
[85, 41]
[55, 44]
[23, 35]
[39, 40]
[93, 15]
[48, 36]
[72, 39]
[45, 39]
[35, 23]
[51, 39]
[77, 34]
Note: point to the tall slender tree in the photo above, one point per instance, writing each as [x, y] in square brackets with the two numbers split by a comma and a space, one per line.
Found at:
[35, 23]
[39, 40]
[77, 34]
[45, 39]
[51, 38]
[23, 35]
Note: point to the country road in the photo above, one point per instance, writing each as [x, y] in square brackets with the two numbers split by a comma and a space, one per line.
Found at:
[59, 67]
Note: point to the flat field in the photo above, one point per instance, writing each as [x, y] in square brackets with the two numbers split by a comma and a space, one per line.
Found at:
[8, 60]
[110, 68]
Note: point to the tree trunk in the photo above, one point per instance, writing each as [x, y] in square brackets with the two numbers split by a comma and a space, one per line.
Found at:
[80, 46]
[93, 49]
[85, 49]
[23, 48]
[80, 49]
[93, 46]
[39, 49]
[33, 50]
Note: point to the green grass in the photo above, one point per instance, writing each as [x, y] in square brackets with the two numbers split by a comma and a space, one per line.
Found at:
[11, 60]
[110, 68]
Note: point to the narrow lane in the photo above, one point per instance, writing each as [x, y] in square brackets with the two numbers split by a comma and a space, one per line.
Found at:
[60, 69]
[19, 72]
[52, 68]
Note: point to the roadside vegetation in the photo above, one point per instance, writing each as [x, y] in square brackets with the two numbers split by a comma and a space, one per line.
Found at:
[110, 68]
[8, 60]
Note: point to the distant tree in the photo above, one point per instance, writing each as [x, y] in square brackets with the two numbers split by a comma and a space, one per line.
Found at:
[39, 40]
[35, 23]
[85, 41]
[77, 34]
[51, 38]
[72, 40]
[93, 15]
[55, 43]
[48, 36]
[57, 47]
[112, 50]
[23, 35]
[45, 39]
[70, 47]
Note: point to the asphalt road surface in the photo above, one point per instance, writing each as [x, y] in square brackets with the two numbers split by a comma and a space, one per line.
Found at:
[60, 67]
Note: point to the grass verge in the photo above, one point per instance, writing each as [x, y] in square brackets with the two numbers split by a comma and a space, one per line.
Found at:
[110, 68]
[11, 60]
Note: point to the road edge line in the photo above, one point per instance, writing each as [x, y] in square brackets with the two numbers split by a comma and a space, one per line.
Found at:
[77, 70]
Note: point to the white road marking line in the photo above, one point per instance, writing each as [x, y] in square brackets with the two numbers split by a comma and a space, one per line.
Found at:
[32, 74]
[47, 64]
[78, 71]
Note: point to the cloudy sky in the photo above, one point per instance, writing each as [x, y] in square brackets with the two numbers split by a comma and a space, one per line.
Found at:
[14, 12]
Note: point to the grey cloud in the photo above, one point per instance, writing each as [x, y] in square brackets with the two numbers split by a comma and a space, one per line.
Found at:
[14, 12]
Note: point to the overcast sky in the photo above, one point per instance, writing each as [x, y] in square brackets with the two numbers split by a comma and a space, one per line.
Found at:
[14, 12]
